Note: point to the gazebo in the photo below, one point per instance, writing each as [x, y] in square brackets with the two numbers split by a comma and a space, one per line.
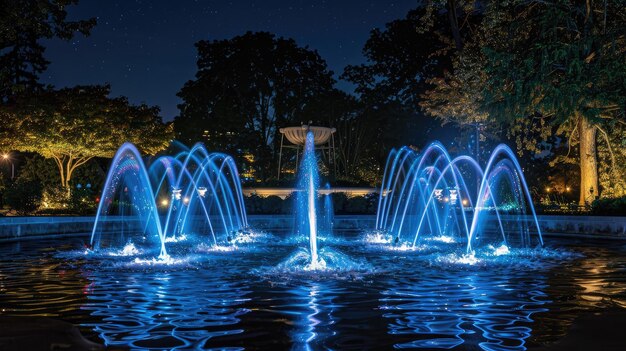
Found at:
[323, 138]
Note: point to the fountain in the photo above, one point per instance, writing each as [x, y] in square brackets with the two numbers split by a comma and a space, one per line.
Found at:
[328, 212]
[466, 231]
[305, 200]
[307, 223]
[194, 193]
[428, 193]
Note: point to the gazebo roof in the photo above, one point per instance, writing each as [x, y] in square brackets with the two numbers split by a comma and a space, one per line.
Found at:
[297, 135]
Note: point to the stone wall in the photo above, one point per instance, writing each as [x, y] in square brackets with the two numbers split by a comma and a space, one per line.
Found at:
[20, 228]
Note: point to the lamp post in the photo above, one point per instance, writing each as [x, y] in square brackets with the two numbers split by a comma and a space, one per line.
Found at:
[7, 157]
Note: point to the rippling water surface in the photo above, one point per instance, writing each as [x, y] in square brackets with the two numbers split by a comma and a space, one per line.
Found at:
[237, 299]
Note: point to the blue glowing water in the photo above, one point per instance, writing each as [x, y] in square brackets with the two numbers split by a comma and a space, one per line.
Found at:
[428, 297]
[328, 213]
[430, 194]
[194, 192]
[305, 204]
[173, 264]
[310, 218]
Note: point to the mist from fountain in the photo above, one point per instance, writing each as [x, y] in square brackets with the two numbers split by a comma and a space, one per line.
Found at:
[427, 193]
[192, 193]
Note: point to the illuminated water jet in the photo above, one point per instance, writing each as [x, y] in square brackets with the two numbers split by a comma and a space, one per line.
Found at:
[306, 199]
[427, 194]
[306, 220]
[194, 193]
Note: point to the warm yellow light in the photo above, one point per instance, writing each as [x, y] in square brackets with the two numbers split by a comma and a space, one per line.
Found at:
[465, 202]
[5, 156]
[186, 200]
[568, 189]
[547, 190]
[164, 202]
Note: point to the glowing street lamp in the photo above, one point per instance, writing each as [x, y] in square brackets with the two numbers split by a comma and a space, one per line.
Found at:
[7, 158]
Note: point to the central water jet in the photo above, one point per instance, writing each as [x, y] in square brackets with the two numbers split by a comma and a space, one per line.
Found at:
[312, 221]
[306, 198]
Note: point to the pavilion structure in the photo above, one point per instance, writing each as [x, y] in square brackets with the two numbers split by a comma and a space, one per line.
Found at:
[324, 140]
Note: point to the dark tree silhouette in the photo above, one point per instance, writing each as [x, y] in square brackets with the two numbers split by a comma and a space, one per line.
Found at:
[23, 23]
[245, 89]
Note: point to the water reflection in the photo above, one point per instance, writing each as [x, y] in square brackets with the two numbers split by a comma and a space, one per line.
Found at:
[164, 310]
[599, 281]
[217, 301]
[313, 313]
[478, 310]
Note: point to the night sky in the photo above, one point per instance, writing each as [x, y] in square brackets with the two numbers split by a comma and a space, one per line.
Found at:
[145, 49]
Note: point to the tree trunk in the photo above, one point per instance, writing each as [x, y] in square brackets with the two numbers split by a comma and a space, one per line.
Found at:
[454, 24]
[588, 162]
[67, 165]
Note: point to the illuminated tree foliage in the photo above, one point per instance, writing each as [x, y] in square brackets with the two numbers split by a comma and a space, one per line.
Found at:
[553, 74]
[73, 125]
[561, 63]
[23, 24]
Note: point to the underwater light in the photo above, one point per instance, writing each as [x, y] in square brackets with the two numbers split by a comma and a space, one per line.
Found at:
[502, 250]
[202, 191]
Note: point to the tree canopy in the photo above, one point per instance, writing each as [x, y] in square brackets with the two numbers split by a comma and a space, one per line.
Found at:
[550, 73]
[401, 59]
[245, 89]
[73, 125]
[560, 63]
[23, 24]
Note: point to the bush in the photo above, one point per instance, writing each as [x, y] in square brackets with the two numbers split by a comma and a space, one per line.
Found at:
[341, 204]
[24, 196]
[271, 205]
[82, 202]
[287, 206]
[609, 206]
[357, 204]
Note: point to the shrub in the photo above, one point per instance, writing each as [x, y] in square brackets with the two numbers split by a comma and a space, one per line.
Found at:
[357, 204]
[264, 205]
[339, 202]
[287, 206]
[253, 204]
[82, 201]
[271, 205]
[24, 196]
[609, 206]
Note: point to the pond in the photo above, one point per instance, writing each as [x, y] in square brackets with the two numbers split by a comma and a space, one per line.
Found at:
[244, 297]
